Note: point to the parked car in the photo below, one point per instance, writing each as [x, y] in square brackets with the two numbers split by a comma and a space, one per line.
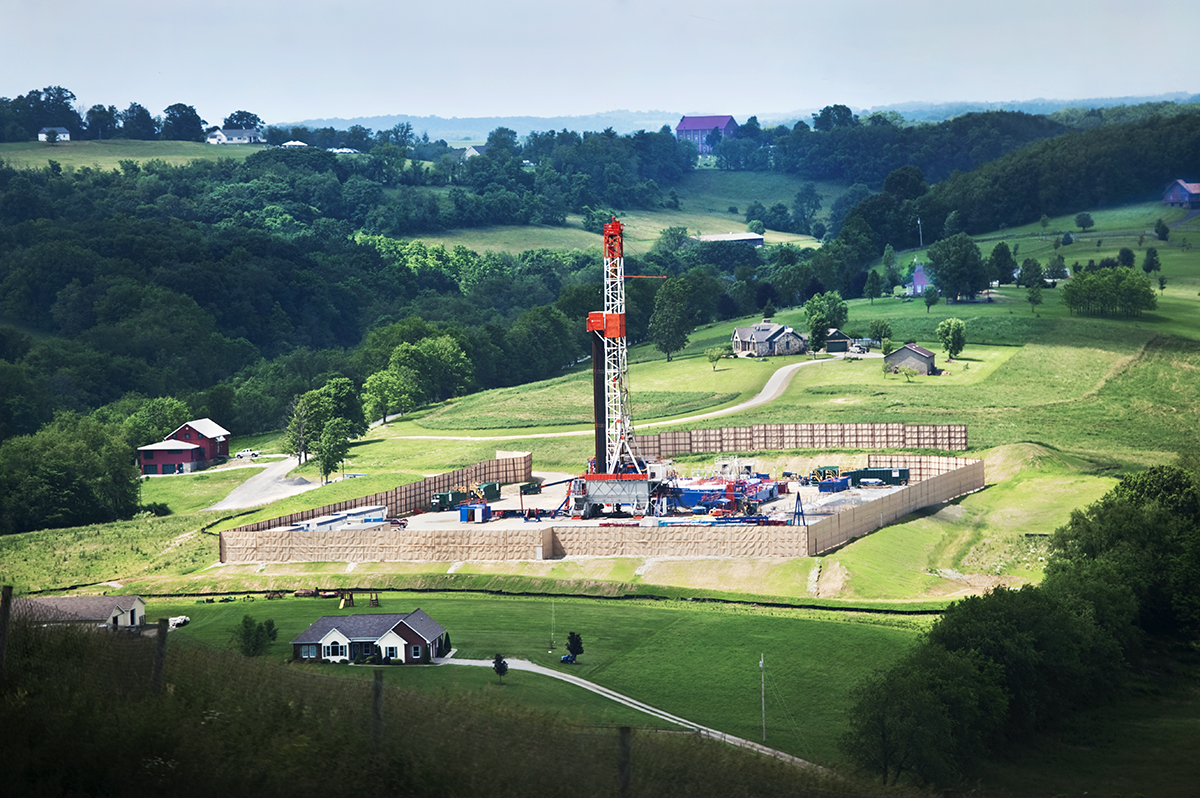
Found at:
[858, 350]
[247, 453]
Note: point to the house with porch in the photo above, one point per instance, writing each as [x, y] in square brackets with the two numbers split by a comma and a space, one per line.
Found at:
[696, 129]
[1183, 195]
[193, 446]
[407, 639]
[913, 356]
[767, 339]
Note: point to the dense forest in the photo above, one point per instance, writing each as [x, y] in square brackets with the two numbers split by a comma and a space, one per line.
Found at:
[1119, 595]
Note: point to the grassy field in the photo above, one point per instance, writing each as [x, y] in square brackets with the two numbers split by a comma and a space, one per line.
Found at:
[107, 155]
[706, 196]
[649, 651]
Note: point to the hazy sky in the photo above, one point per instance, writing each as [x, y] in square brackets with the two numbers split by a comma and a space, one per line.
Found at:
[287, 61]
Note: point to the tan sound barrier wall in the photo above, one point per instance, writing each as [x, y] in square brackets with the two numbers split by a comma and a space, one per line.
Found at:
[933, 480]
[384, 545]
[676, 540]
[948, 483]
[417, 495]
[769, 437]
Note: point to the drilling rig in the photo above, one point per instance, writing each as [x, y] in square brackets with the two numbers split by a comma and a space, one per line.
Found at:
[618, 477]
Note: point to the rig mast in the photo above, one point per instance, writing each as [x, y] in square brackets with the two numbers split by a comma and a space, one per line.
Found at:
[614, 440]
[618, 478]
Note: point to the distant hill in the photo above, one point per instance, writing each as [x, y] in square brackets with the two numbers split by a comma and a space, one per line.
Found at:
[477, 128]
[936, 112]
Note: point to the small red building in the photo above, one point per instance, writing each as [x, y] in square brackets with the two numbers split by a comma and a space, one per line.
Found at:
[697, 128]
[195, 445]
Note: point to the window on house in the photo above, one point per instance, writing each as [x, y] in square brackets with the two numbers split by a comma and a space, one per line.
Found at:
[390, 652]
[416, 652]
[147, 455]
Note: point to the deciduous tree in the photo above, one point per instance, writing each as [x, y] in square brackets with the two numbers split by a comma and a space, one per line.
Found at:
[956, 267]
[931, 297]
[953, 335]
[182, 123]
[670, 324]
[1084, 221]
[242, 120]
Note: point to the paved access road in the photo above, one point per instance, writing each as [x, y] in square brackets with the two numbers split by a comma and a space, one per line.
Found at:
[774, 388]
[703, 731]
[271, 485]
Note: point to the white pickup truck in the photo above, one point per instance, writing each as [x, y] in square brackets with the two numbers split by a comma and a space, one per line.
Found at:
[247, 453]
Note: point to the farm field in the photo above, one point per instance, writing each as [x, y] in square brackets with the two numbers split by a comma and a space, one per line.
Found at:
[107, 155]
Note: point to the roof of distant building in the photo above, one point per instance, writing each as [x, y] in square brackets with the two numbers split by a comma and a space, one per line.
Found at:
[704, 122]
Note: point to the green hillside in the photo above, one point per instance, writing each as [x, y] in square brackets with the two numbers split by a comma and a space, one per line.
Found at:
[107, 155]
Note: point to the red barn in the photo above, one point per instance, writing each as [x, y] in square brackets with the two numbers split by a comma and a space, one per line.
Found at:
[1184, 195]
[195, 445]
[697, 128]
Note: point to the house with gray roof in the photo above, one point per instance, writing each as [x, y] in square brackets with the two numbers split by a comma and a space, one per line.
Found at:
[103, 612]
[407, 639]
[766, 339]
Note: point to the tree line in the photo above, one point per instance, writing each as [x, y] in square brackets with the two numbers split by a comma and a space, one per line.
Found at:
[1120, 590]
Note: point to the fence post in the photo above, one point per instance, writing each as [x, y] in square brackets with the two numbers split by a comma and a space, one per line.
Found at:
[625, 754]
[5, 615]
[377, 713]
[160, 656]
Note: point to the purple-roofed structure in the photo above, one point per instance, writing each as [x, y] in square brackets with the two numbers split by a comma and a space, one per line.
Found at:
[697, 128]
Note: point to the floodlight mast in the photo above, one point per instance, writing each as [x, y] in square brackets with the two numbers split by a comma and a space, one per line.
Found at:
[614, 444]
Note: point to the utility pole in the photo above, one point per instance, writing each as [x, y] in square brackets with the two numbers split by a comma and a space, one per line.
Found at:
[762, 669]
[920, 232]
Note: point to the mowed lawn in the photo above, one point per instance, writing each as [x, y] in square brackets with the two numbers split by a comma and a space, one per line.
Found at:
[654, 652]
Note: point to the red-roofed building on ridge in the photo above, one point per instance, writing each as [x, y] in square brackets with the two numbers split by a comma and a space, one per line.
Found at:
[195, 445]
[696, 129]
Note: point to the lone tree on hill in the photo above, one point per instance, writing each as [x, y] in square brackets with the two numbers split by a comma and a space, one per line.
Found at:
[669, 324]
[873, 286]
[500, 666]
[1162, 231]
[953, 335]
[931, 297]
[1084, 220]
[574, 644]
[879, 329]
[1151, 263]
[715, 353]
